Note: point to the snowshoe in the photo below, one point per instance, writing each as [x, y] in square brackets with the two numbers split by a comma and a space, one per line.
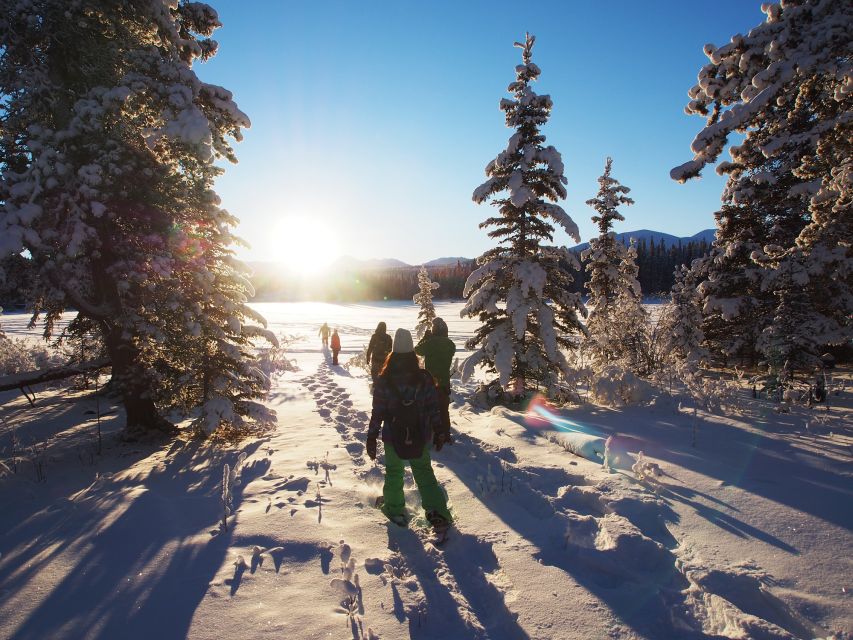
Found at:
[440, 527]
[399, 519]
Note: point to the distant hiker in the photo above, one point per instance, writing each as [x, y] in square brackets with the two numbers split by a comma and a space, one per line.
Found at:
[437, 351]
[324, 334]
[406, 408]
[336, 346]
[378, 350]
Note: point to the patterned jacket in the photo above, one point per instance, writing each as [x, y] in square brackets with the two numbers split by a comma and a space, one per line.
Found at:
[385, 404]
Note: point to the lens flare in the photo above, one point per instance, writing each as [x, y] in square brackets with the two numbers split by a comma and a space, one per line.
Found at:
[542, 415]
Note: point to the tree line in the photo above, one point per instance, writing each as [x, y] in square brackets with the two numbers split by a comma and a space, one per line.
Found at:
[657, 264]
[656, 261]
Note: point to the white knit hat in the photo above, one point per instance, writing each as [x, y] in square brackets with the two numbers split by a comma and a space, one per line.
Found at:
[403, 342]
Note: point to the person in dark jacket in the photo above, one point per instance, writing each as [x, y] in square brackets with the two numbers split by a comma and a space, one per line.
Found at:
[438, 350]
[378, 350]
[402, 380]
[336, 346]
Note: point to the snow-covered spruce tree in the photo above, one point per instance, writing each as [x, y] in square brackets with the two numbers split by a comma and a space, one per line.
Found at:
[107, 148]
[680, 321]
[519, 291]
[792, 341]
[617, 321]
[787, 87]
[423, 298]
[735, 307]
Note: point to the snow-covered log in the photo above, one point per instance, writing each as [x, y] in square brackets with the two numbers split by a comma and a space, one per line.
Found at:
[50, 374]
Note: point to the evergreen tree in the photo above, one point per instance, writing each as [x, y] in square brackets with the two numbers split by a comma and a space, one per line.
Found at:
[785, 87]
[426, 313]
[730, 283]
[107, 147]
[680, 323]
[791, 341]
[616, 320]
[520, 290]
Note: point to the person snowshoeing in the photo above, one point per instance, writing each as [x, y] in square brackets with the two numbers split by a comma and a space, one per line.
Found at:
[336, 346]
[406, 407]
[324, 334]
[377, 350]
[437, 351]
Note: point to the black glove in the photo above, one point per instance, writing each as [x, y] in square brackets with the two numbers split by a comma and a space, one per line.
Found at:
[440, 438]
[371, 447]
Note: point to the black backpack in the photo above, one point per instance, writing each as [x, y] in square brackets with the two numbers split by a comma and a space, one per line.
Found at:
[405, 423]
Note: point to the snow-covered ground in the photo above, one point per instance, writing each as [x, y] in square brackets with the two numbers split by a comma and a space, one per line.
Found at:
[745, 535]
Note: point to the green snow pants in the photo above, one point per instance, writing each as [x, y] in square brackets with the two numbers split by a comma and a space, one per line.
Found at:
[432, 497]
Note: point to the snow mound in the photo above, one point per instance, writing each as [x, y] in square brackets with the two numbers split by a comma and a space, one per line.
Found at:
[617, 386]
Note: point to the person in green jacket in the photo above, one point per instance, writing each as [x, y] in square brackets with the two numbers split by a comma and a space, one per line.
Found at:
[437, 351]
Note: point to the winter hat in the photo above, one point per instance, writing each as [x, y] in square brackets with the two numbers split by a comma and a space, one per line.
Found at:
[403, 342]
[439, 327]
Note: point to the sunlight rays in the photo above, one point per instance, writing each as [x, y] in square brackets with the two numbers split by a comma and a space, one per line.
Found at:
[304, 245]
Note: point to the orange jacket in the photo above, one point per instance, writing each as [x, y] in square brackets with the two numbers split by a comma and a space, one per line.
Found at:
[336, 341]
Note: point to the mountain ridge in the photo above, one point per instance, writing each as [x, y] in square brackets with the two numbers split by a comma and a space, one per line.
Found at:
[352, 263]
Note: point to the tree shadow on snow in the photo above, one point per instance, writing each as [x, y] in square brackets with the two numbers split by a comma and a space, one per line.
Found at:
[144, 552]
[641, 596]
[764, 465]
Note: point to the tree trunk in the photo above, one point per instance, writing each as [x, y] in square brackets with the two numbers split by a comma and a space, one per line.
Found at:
[134, 386]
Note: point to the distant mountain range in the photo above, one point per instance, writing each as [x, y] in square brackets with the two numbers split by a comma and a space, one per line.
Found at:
[348, 262]
[351, 264]
[669, 240]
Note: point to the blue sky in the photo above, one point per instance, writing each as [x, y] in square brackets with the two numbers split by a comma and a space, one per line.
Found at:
[376, 119]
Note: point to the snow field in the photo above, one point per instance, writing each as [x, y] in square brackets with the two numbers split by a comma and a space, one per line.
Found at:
[748, 535]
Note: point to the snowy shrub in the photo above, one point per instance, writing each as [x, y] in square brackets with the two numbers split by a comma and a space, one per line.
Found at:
[17, 356]
[614, 385]
[230, 479]
[359, 360]
[490, 394]
[645, 469]
[273, 360]
[607, 461]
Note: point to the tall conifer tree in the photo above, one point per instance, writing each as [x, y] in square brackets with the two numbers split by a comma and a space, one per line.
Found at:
[786, 87]
[423, 298]
[520, 291]
[616, 320]
[108, 140]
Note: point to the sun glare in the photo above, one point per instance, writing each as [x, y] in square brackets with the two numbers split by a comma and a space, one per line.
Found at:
[305, 246]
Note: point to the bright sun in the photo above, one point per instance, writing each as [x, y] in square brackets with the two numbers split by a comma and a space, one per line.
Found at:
[306, 246]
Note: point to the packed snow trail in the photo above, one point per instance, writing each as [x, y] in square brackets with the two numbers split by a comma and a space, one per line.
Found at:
[534, 544]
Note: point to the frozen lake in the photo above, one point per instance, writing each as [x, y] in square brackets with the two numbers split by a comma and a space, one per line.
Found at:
[356, 322]
[302, 320]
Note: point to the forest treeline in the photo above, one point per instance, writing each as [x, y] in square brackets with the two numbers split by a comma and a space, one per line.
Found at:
[657, 263]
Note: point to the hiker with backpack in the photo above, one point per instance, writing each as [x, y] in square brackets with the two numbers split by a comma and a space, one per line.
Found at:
[406, 406]
[438, 350]
[378, 350]
[336, 346]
